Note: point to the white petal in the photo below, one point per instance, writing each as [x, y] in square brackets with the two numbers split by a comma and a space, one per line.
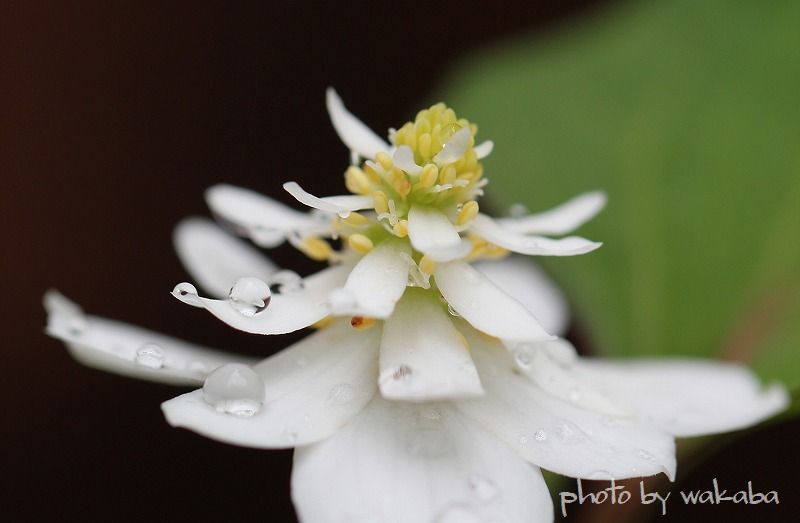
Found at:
[352, 132]
[286, 312]
[687, 397]
[484, 149]
[423, 356]
[375, 283]
[128, 350]
[432, 233]
[399, 462]
[311, 389]
[560, 220]
[404, 159]
[557, 435]
[485, 306]
[266, 221]
[455, 147]
[493, 232]
[216, 259]
[527, 283]
[341, 205]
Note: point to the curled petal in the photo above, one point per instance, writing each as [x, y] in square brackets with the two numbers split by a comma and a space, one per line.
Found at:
[352, 131]
[495, 233]
[527, 283]
[375, 283]
[560, 220]
[455, 147]
[215, 259]
[557, 435]
[432, 233]
[404, 159]
[285, 312]
[128, 350]
[341, 205]
[423, 356]
[266, 221]
[399, 462]
[687, 397]
[311, 390]
[485, 306]
[484, 149]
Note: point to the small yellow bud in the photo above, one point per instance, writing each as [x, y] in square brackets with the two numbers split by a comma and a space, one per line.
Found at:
[356, 181]
[316, 248]
[447, 175]
[424, 145]
[468, 211]
[380, 202]
[361, 323]
[371, 173]
[429, 175]
[356, 220]
[384, 160]
[400, 182]
[427, 265]
[360, 243]
[401, 229]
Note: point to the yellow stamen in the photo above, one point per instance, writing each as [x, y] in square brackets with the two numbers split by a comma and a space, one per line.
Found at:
[424, 145]
[429, 175]
[356, 220]
[316, 248]
[400, 182]
[447, 175]
[361, 323]
[380, 201]
[467, 213]
[372, 174]
[356, 181]
[400, 229]
[360, 243]
[385, 161]
[427, 265]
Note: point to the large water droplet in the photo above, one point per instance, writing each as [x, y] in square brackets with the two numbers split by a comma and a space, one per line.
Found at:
[150, 355]
[249, 296]
[458, 513]
[540, 436]
[341, 394]
[484, 488]
[234, 388]
[286, 282]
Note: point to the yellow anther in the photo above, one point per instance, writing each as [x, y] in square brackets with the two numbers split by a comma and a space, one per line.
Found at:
[361, 323]
[447, 175]
[427, 265]
[400, 229]
[316, 248]
[468, 211]
[356, 220]
[380, 202]
[324, 322]
[371, 173]
[400, 182]
[360, 243]
[424, 145]
[429, 175]
[356, 181]
[384, 160]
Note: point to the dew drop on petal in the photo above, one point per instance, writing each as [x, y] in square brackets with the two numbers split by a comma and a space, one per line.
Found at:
[249, 296]
[236, 389]
[187, 293]
[341, 394]
[150, 355]
[522, 356]
[540, 436]
[483, 488]
[286, 282]
[452, 311]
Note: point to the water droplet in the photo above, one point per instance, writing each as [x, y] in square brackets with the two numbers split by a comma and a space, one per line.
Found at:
[286, 282]
[249, 296]
[484, 488]
[341, 394]
[523, 440]
[457, 513]
[644, 455]
[452, 311]
[234, 388]
[522, 356]
[574, 395]
[150, 355]
[187, 293]
[540, 436]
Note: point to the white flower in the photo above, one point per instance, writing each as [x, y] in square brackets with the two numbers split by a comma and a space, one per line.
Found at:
[434, 385]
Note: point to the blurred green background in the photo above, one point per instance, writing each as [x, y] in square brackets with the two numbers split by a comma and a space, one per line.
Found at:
[688, 115]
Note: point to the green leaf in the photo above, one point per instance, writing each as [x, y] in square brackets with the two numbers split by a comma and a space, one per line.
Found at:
[688, 115]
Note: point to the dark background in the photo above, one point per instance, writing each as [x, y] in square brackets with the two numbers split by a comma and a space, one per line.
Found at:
[115, 116]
